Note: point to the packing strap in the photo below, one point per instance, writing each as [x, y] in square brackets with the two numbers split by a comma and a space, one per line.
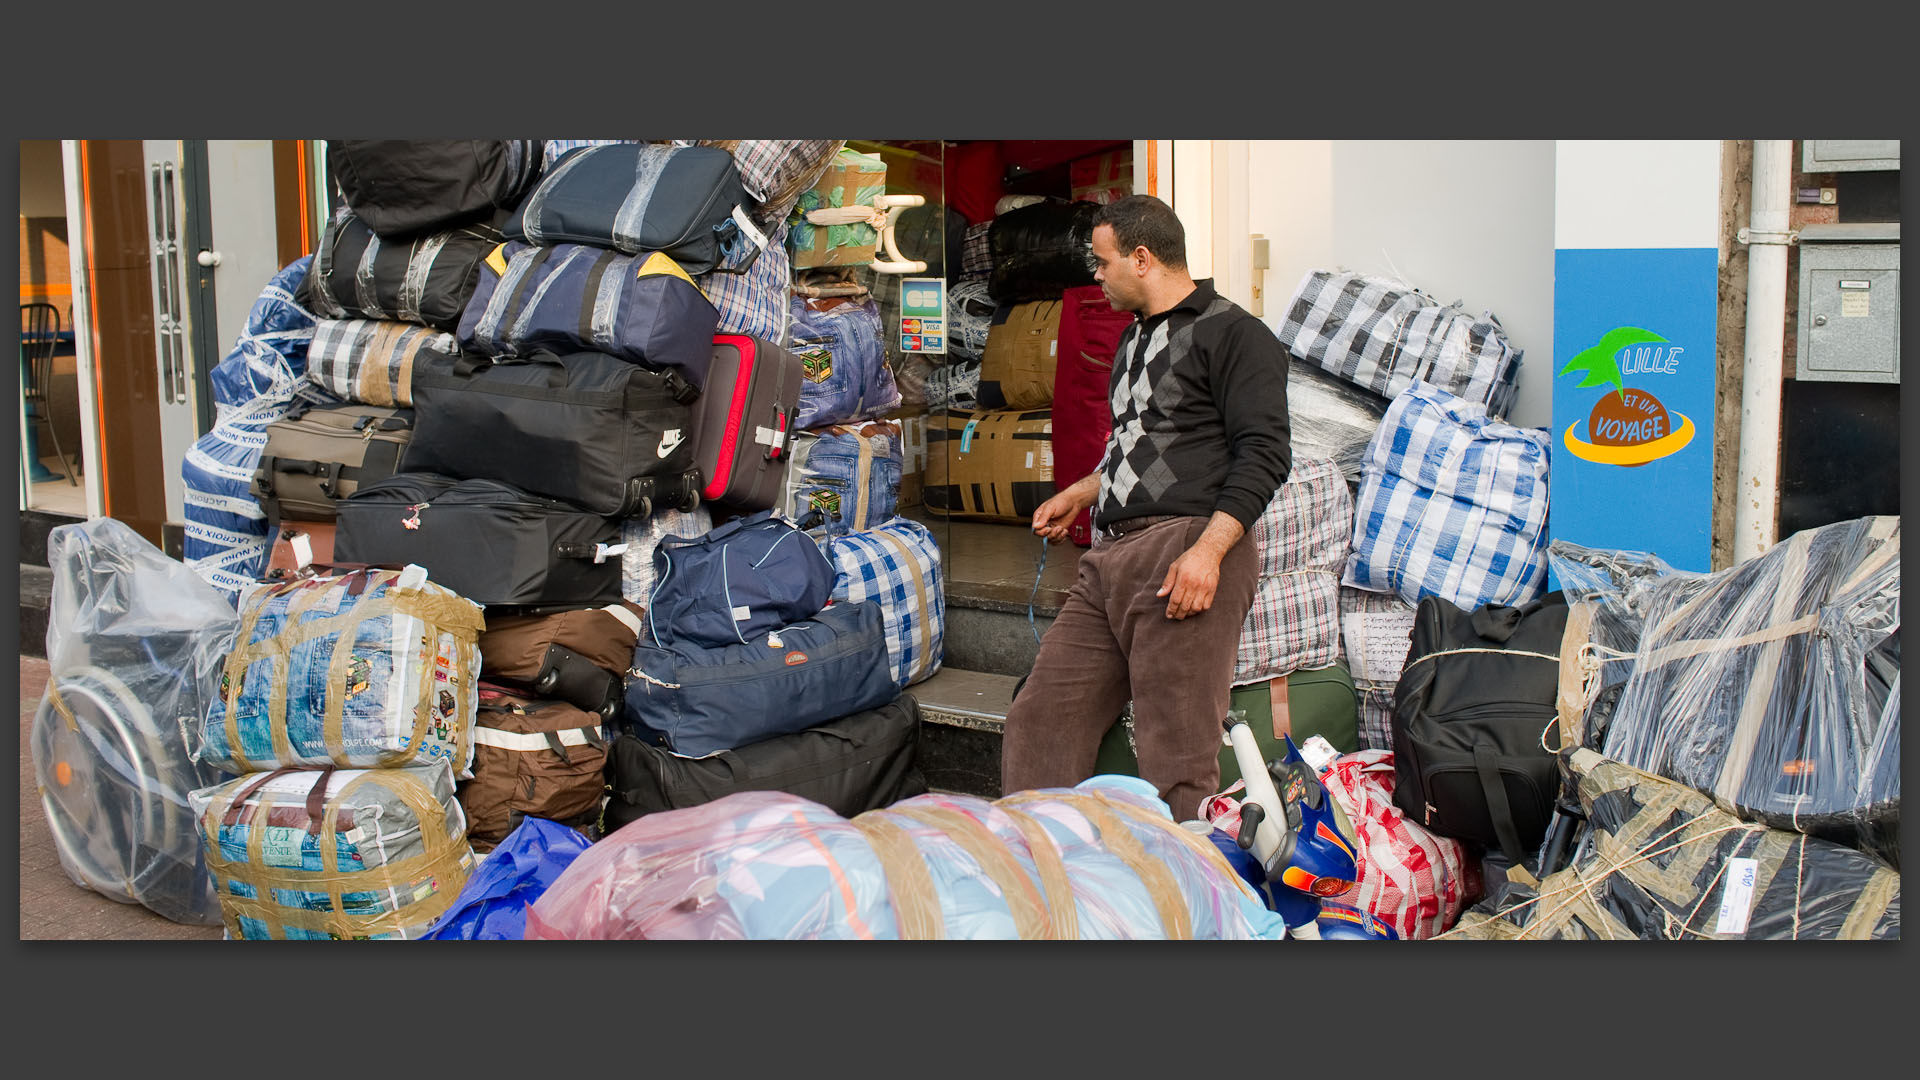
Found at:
[1497, 806]
[535, 741]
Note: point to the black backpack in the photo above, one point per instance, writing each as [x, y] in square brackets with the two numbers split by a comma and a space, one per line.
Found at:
[1470, 710]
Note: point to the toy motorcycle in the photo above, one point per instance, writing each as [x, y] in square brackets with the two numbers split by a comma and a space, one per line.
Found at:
[1294, 844]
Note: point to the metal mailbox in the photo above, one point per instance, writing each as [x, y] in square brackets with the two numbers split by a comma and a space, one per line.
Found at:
[1849, 303]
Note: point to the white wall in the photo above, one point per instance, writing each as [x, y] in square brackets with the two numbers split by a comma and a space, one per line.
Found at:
[1462, 220]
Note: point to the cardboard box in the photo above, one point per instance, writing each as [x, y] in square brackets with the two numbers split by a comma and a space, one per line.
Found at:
[854, 179]
[1021, 355]
[989, 466]
[1102, 178]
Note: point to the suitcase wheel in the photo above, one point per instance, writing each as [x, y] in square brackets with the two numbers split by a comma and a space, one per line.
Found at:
[690, 503]
[644, 509]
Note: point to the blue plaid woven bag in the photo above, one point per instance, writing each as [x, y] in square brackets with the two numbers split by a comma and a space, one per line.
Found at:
[1452, 504]
[897, 564]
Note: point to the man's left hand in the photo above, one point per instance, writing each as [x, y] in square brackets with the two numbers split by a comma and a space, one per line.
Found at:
[1191, 581]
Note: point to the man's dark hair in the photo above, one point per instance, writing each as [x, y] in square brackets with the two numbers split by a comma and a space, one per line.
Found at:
[1142, 220]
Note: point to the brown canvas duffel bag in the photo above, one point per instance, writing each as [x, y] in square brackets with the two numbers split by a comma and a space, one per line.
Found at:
[515, 646]
[535, 758]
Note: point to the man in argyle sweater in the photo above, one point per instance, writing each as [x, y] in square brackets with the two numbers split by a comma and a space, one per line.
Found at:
[1200, 444]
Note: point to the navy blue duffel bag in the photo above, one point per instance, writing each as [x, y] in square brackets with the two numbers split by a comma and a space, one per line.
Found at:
[746, 577]
[573, 298]
[695, 701]
[638, 197]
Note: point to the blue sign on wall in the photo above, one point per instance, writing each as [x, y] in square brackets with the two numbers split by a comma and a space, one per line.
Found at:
[1633, 400]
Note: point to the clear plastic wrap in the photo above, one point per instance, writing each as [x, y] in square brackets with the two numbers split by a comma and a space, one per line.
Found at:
[319, 854]
[766, 865]
[1331, 418]
[1773, 686]
[134, 645]
[1663, 863]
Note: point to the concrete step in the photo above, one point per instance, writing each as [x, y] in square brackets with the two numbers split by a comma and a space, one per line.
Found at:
[962, 715]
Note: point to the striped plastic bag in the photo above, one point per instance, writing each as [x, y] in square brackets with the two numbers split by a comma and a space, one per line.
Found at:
[1453, 504]
[1303, 537]
[897, 565]
[225, 540]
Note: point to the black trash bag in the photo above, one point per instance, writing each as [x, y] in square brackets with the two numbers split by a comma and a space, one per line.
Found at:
[1041, 251]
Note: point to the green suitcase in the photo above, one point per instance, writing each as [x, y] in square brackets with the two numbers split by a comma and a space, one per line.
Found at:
[1321, 702]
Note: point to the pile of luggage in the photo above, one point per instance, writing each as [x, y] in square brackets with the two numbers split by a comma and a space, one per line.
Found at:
[568, 393]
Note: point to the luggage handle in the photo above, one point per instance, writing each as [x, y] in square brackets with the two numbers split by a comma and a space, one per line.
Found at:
[744, 227]
[471, 364]
[598, 552]
[784, 429]
[1497, 806]
[356, 573]
[1497, 622]
[316, 798]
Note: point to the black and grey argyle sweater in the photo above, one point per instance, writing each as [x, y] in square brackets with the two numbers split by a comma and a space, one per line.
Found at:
[1199, 396]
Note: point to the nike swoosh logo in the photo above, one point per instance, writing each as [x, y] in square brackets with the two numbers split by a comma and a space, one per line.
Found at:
[669, 442]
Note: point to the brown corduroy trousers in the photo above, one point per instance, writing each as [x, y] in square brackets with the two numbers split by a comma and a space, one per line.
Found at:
[1112, 642]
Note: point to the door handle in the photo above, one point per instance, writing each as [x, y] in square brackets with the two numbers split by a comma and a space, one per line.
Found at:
[208, 258]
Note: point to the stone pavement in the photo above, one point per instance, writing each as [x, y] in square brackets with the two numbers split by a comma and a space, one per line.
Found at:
[51, 905]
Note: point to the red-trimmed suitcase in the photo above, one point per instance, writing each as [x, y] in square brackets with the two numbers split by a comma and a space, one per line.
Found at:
[743, 423]
[1090, 333]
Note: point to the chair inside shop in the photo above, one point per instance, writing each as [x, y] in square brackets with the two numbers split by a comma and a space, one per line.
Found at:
[39, 339]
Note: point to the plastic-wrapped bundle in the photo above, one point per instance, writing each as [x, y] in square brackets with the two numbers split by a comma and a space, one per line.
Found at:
[969, 317]
[1332, 419]
[370, 669]
[850, 473]
[1100, 861]
[1608, 592]
[134, 643]
[1774, 686]
[1453, 505]
[954, 385]
[839, 345]
[226, 530]
[1041, 251]
[1663, 863]
[1303, 537]
[335, 854]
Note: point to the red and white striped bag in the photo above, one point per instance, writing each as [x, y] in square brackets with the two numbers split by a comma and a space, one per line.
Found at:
[1415, 881]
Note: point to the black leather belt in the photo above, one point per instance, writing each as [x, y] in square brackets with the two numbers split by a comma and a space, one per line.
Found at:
[1126, 525]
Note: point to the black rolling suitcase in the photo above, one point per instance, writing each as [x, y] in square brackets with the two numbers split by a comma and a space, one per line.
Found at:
[850, 765]
[590, 429]
[491, 542]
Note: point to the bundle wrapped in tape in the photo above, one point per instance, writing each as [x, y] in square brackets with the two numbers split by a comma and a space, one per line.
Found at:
[1100, 861]
[1663, 863]
[324, 854]
[1773, 686]
[366, 669]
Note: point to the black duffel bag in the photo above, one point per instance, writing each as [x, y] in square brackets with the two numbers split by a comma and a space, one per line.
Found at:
[401, 187]
[426, 280]
[490, 542]
[851, 765]
[1470, 715]
[604, 434]
[1041, 251]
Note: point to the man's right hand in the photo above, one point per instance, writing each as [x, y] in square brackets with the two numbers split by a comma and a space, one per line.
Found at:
[1053, 517]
